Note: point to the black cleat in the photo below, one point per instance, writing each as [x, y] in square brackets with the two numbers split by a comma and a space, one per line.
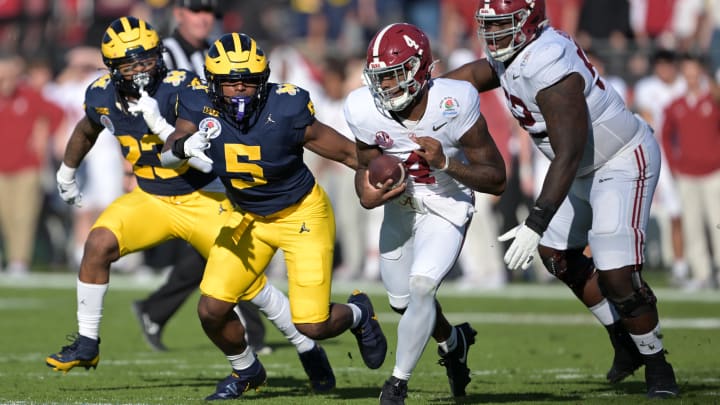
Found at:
[151, 331]
[317, 367]
[238, 382]
[456, 361]
[394, 392]
[660, 377]
[369, 335]
[627, 356]
[82, 352]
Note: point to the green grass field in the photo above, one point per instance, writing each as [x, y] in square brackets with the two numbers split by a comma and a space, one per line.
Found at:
[536, 344]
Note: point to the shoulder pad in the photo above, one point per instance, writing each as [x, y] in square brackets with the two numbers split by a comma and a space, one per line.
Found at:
[541, 57]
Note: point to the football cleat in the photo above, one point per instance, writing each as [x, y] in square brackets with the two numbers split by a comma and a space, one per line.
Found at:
[238, 382]
[369, 335]
[627, 356]
[317, 367]
[456, 361]
[394, 392]
[660, 378]
[82, 352]
[152, 331]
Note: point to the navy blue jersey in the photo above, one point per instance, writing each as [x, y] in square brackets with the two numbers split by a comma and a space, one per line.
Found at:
[263, 169]
[177, 95]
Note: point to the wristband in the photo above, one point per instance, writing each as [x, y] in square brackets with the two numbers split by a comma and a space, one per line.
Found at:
[178, 148]
[447, 164]
[539, 218]
[66, 173]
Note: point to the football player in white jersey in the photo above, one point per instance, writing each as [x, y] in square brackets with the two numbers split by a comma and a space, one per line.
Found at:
[436, 129]
[599, 186]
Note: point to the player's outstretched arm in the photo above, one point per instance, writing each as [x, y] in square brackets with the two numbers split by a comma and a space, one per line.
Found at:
[477, 72]
[330, 144]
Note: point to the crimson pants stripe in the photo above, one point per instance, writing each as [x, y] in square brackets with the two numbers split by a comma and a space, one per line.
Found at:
[638, 202]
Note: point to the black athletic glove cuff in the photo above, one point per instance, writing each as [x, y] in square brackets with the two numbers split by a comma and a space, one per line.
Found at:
[539, 218]
[178, 148]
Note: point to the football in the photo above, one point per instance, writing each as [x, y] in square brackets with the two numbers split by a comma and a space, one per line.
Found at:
[386, 167]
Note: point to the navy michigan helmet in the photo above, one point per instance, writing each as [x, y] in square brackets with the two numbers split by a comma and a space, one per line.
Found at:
[236, 57]
[130, 40]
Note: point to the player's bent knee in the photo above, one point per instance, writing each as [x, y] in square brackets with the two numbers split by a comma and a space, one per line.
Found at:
[213, 312]
[422, 286]
[640, 301]
[103, 244]
[570, 266]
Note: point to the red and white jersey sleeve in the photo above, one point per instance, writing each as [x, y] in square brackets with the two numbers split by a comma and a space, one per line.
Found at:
[543, 63]
[453, 108]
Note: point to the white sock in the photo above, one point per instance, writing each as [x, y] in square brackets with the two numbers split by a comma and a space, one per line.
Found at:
[90, 299]
[243, 360]
[649, 343]
[276, 307]
[357, 315]
[605, 313]
[450, 344]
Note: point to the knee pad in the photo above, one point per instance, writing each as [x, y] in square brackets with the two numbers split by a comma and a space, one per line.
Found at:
[641, 301]
[570, 266]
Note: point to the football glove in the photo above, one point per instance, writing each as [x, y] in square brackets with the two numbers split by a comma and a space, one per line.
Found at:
[148, 107]
[67, 186]
[196, 145]
[521, 252]
[193, 150]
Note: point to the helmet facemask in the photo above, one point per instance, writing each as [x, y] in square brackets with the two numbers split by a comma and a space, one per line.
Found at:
[237, 108]
[516, 20]
[403, 74]
[131, 41]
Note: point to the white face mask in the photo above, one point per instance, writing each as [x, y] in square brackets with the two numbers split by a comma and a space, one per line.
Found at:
[514, 23]
[405, 79]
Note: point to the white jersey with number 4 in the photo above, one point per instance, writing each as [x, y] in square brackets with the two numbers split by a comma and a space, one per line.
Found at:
[453, 108]
[544, 62]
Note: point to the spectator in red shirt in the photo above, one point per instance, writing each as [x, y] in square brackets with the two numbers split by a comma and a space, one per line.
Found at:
[691, 138]
[27, 121]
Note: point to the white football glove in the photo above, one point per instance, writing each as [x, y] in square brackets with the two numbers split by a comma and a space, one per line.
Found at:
[67, 186]
[148, 107]
[521, 252]
[196, 145]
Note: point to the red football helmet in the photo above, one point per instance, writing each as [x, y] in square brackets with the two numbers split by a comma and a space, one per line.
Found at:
[400, 52]
[523, 18]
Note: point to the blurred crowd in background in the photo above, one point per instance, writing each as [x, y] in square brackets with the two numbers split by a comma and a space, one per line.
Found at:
[662, 56]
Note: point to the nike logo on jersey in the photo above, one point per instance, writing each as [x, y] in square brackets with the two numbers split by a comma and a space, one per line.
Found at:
[515, 77]
[437, 127]
[304, 228]
[221, 209]
[605, 179]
